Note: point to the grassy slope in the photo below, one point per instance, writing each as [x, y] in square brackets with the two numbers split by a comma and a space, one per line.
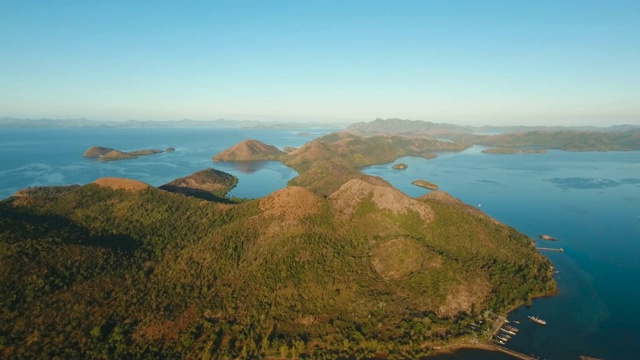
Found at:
[92, 272]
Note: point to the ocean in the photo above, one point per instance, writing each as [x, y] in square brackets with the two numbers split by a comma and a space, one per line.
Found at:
[589, 201]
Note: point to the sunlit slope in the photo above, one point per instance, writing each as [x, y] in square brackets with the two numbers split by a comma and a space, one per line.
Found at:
[97, 272]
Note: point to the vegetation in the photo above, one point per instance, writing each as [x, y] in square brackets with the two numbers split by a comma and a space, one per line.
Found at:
[567, 140]
[109, 154]
[208, 184]
[523, 138]
[425, 184]
[509, 150]
[344, 266]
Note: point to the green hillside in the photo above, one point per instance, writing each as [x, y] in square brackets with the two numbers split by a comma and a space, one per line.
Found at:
[337, 265]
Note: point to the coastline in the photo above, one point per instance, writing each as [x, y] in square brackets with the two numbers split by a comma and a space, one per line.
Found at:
[487, 345]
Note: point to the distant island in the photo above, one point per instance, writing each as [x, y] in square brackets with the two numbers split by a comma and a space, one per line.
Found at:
[19, 123]
[509, 150]
[425, 184]
[108, 154]
[338, 264]
[400, 166]
[209, 184]
[577, 138]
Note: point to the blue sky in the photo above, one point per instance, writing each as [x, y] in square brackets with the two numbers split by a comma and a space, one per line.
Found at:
[466, 62]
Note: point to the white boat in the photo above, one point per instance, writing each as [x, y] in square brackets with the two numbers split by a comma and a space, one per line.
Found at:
[507, 331]
[537, 320]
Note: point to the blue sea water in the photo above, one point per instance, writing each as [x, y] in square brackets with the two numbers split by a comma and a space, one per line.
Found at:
[39, 157]
[589, 201]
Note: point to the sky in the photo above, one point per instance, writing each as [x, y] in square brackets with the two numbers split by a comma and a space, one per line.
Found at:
[465, 62]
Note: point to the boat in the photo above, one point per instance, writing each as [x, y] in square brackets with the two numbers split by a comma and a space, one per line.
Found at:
[512, 328]
[508, 331]
[502, 339]
[537, 320]
[516, 321]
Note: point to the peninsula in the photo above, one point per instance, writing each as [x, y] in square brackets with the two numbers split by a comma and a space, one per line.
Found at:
[338, 264]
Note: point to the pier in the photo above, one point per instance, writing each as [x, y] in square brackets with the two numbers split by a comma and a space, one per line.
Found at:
[551, 249]
[500, 322]
[508, 351]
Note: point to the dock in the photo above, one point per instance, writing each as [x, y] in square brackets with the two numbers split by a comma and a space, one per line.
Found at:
[551, 249]
[500, 321]
[508, 351]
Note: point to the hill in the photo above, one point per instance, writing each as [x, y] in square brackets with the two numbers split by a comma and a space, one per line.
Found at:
[108, 154]
[433, 129]
[121, 183]
[209, 184]
[628, 140]
[340, 265]
[249, 150]
[512, 139]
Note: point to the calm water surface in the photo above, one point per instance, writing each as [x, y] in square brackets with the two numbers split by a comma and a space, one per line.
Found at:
[589, 201]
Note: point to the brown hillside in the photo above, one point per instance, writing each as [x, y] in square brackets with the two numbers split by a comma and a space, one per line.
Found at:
[116, 155]
[291, 203]
[97, 151]
[249, 150]
[384, 196]
[208, 184]
[121, 183]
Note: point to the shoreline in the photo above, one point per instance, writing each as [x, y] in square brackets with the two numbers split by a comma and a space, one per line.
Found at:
[486, 345]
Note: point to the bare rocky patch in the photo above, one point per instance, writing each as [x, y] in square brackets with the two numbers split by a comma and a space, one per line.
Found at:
[385, 197]
[121, 183]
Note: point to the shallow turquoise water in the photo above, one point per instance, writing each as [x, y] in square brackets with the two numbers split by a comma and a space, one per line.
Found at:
[589, 201]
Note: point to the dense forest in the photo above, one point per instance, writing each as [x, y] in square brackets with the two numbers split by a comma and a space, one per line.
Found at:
[352, 268]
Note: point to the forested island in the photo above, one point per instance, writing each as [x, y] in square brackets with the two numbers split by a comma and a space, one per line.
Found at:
[522, 139]
[108, 154]
[425, 184]
[509, 150]
[338, 264]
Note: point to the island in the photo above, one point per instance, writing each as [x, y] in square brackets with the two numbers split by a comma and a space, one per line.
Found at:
[547, 237]
[400, 166]
[425, 184]
[576, 138]
[108, 154]
[509, 150]
[338, 264]
[209, 184]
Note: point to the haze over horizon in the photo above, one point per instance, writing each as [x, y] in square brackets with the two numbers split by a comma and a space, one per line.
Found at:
[462, 62]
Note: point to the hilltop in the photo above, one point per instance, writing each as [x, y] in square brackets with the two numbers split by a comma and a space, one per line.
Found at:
[249, 150]
[207, 184]
[339, 264]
